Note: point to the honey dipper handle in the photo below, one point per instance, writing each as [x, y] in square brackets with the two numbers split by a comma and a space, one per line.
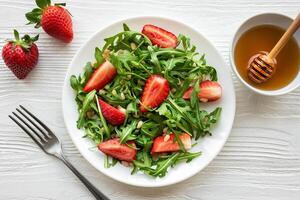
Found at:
[285, 38]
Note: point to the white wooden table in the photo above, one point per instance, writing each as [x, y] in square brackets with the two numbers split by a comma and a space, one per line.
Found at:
[261, 159]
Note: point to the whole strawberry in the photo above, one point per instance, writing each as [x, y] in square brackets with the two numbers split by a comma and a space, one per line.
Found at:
[54, 19]
[21, 55]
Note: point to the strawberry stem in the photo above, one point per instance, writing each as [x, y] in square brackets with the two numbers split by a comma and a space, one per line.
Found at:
[60, 4]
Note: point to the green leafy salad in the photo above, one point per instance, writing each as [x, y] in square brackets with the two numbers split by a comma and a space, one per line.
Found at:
[141, 100]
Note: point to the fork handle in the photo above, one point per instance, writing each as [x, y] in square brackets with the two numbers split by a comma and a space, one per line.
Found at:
[97, 194]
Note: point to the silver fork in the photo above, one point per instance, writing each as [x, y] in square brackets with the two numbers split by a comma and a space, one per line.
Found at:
[49, 143]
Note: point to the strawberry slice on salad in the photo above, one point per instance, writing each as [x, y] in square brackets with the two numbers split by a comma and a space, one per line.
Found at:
[168, 143]
[160, 37]
[113, 115]
[101, 76]
[156, 90]
[115, 149]
[209, 91]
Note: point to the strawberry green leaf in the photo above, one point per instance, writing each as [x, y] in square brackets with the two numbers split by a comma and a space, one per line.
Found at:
[34, 17]
[35, 38]
[29, 40]
[25, 42]
[42, 3]
[16, 34]
[37, 11]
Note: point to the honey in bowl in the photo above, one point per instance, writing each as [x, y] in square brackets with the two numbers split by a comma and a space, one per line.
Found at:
[264, 38]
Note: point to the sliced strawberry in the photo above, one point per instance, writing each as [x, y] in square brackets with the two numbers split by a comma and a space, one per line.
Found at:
[209, 91]
[159, 36]
[101, 76]
[115, 149]
[113, 115]
[168, 143]
[156, 90]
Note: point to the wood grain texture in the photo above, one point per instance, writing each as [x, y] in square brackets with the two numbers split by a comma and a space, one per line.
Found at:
[261, 159]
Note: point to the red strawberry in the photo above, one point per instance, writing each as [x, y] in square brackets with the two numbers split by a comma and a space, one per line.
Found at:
[159, 36]
[115, 149]
[21, 55]
[168, 143]
[209, 91]
[54, 19]
[101, 76]
[113, 115]
[156, 90]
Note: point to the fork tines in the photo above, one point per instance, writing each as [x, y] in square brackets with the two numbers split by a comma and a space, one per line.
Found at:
[31, 125]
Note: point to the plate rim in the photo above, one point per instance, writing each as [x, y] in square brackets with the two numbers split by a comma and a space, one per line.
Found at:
[66, 84]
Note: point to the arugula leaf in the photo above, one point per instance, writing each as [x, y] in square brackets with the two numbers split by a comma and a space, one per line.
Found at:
[74, 83]
[125, 27]
[185, 41]
[94, 131]
[194, 95]
[154, 60]
[126, 132]
[85, 106]
[215, 115]
[88, 71]
[98, 56]
[108, 163]
[188, 156]
[178, 140]
[151, 129]
[103, 121]
[163, 166]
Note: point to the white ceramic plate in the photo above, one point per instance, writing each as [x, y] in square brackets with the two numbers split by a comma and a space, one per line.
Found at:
[210, 146]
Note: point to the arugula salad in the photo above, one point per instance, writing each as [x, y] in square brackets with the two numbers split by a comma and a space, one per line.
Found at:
[140, 100]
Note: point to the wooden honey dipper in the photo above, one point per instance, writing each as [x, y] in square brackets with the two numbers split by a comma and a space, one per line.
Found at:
[262, 66]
